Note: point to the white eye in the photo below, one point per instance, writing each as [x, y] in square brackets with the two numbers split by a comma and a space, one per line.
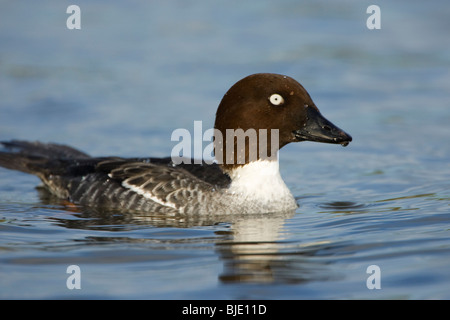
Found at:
[276, 99]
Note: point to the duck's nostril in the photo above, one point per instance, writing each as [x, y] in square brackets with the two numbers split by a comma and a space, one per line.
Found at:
[327, 128]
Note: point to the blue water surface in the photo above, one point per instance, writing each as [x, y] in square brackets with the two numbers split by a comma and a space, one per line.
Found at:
[136, 71]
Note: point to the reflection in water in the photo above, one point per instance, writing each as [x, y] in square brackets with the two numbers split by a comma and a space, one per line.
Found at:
[258, 254]
[254, 250]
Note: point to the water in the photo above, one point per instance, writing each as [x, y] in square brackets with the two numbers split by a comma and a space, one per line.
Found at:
[135, 72]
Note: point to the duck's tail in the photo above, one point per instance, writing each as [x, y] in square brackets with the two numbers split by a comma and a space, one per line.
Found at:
[30, 157]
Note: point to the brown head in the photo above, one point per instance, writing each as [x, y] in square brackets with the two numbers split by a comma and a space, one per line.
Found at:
[273, 102]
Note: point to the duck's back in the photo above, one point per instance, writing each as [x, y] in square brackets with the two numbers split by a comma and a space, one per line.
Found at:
[142, 184]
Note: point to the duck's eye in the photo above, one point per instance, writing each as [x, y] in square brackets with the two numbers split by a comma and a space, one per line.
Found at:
[276, 99]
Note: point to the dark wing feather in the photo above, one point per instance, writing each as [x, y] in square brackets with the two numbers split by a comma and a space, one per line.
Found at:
[165, 185]
[210, 173]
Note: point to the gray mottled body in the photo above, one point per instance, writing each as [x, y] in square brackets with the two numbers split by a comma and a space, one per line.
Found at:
[137, 184]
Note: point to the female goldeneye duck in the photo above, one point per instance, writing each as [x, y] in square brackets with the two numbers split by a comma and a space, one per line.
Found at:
[157, 185]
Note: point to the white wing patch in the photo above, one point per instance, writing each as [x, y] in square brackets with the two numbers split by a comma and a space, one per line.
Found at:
[148, 195]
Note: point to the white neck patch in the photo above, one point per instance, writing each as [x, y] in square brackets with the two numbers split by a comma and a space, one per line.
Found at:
[260, 181]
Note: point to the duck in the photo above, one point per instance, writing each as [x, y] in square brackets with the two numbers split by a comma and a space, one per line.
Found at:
[257, 116]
